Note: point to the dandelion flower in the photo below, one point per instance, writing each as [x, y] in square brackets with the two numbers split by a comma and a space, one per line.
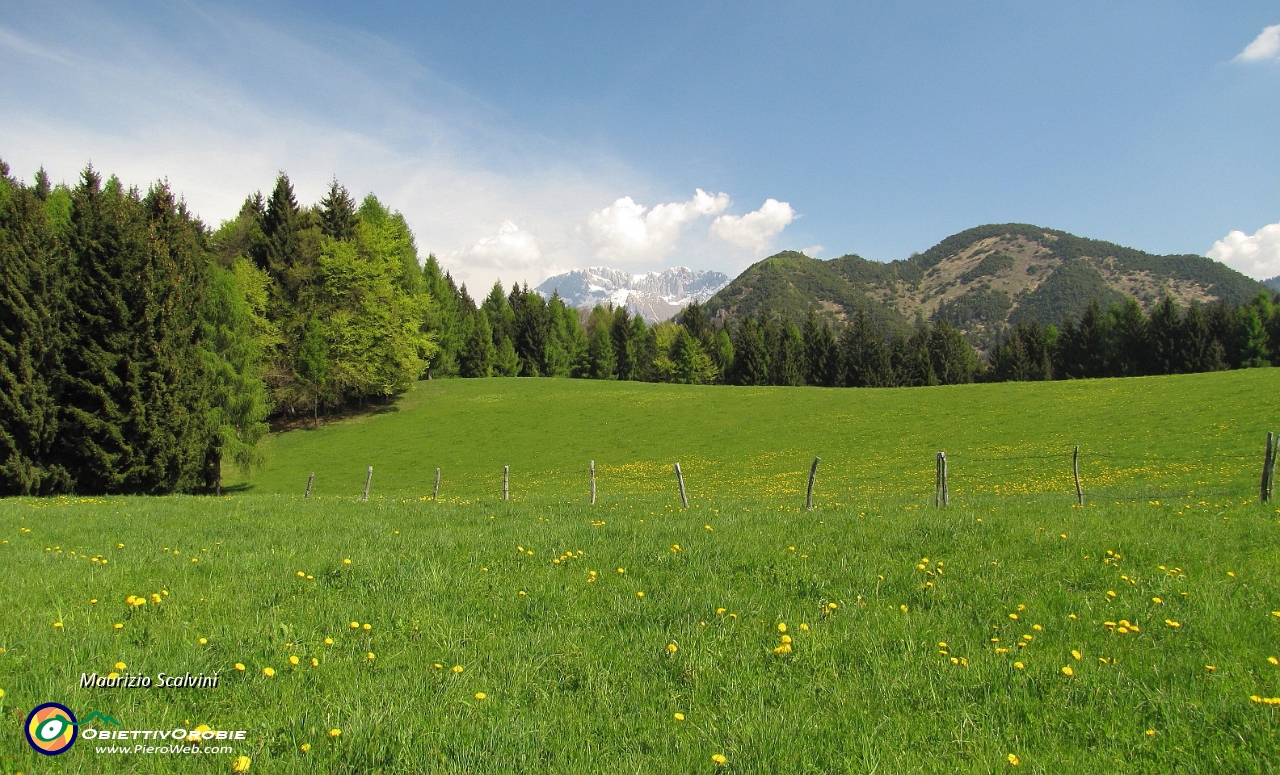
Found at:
[678, 716]
[1173, 624]
[1013, 760]
[293, 660]
[782, 626]
[305, 747]
[719, 758]
[346, 561]
[1067, 671]
[241, 764]
[1157, 601]
[903, 608]
[328, 641]
[1037, 628]
[203, 641]
[804, 627]
[301, 575]
[1019, 665]
[1210, 668]
[457, 668]
[720, 611]
[639, 594]
[315, 662]
[1151, 733]
[1013, 617]
[1273, 660]
[240, 666]
[370, 655]
[785, 639]
[481, 696]
[366, 626]
[671, 648]
[335, 732]
[832, 606]
[622, 570]
[268, 671]
[119, 666]
[57, 624]
[1076, 654]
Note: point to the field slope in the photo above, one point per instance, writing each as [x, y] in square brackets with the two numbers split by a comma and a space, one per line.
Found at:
[1135, 435]
[1010, 632]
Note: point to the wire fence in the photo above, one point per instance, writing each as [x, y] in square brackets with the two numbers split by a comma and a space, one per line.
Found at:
[787, 477]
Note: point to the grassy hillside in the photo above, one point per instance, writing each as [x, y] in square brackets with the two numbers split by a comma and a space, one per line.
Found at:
[1140, 634]
[759, 441]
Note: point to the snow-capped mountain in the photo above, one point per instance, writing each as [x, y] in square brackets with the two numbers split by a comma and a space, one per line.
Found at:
[654, 296]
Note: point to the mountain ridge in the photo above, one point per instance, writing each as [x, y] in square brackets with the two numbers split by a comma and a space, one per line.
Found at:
[981, 280]
[655, 296]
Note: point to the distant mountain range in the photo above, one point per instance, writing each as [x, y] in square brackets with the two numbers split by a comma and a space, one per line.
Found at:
[1273, 283]
[980, 280]
[655, 296]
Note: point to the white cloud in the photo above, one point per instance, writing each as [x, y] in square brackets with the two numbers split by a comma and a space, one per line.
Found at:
[512, 253]
[627, 231]
[813, 251]
[1256, 255]
[1265, 46]
[757, 229]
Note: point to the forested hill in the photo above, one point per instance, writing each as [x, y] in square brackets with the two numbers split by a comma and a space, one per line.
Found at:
[980, 280]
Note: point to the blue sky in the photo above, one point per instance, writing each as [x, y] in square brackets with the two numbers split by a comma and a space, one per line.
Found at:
[524, 139]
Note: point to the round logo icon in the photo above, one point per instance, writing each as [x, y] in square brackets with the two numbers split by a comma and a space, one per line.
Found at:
[51, 728]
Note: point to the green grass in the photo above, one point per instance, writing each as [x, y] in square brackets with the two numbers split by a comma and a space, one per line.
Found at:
[577, 673]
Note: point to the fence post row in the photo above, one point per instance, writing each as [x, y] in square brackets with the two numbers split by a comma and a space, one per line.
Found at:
[593, 482]
[813, 474]
[368, 479]
[1268, 467]
[680, 481]
[506, 483]
[1075, 472]
[310, 478]
[435, 492]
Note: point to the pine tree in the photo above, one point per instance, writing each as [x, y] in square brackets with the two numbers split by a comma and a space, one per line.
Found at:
[623, 345]
[1164, 330]
[600, 352]
[820, 353]
[33, 320]
[338, 213]
[951, 357]
[751, 357]
[477, 357]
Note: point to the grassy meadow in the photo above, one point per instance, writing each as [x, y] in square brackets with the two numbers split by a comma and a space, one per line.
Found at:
[1010, 632]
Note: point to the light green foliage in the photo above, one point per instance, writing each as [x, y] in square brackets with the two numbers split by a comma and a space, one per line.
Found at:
[236, 336]
[578, 675]
[371, 323]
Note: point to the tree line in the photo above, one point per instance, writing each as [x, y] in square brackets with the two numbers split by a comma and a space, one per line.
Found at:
[140, 350]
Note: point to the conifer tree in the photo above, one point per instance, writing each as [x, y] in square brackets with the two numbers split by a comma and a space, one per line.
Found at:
[338, 213]
[751, 357]
[477, 357]
[33, 320]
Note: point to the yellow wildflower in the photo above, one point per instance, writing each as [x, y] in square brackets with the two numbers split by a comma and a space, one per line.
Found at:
[268, 671]
[241, 764]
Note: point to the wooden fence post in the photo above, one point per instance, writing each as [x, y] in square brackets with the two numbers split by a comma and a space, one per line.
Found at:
[368, 479]
[1271, 470]
[310, 478]
[813, 474]
[941, 497]
[937, 481]
[1268, 466]
[680, 481]
[593, 482]
[946, 493]
[1075, 472]
[435, 491]
[506, 483]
